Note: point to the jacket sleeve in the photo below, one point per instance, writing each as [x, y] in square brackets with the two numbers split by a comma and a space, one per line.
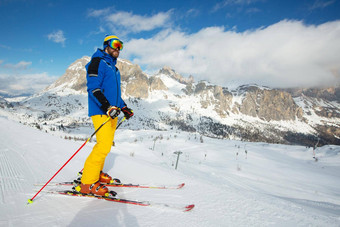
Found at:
[95, 76]
[122, 103]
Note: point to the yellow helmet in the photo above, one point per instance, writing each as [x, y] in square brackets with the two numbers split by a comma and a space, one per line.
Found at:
[108, 37]
[107, 40]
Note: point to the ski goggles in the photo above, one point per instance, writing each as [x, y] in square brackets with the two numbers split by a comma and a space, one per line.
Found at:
[116, 44]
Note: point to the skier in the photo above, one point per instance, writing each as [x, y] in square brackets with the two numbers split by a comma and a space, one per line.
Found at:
[104, 99]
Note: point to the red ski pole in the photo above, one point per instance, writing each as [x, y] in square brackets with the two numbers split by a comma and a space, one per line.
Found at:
[31, 200]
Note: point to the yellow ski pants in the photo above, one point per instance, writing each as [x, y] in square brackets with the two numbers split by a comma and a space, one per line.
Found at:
[96, 160]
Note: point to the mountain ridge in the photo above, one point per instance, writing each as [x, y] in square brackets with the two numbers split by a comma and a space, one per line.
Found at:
[169, 101]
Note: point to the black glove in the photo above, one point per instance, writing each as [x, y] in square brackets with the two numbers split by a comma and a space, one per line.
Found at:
[127, 112]
[113, 111]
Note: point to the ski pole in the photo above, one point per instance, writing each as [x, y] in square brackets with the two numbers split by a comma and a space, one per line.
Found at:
[31, 200]
[121, 121]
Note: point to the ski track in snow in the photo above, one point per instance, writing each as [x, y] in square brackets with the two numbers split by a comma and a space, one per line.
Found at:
[12, 170]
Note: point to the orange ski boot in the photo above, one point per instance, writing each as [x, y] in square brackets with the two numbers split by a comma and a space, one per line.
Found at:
[105, 178]
[93, 189]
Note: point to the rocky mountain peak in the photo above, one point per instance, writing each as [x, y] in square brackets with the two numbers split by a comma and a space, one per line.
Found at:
[269, 104]
[129, 70]
[330, 93]
[166, 70]
[74, 77]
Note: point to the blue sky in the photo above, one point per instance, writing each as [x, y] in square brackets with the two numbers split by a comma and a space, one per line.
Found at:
[228, 42]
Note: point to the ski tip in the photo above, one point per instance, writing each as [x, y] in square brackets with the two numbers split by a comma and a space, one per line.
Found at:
[189, 207]
[30, 201]
[181, 185]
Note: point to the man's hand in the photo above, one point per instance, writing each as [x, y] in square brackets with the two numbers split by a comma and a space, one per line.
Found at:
[113, 111]
[127, 112]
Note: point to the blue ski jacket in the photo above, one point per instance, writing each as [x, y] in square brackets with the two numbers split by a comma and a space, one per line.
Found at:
[103, 83]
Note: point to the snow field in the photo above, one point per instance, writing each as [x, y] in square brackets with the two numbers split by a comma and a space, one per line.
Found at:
[270, 185]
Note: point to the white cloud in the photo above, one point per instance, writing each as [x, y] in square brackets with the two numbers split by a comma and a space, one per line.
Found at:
[285, 54]
[22, 65]
[137, 23]
[320, 4]
[5, 47]
[127, 22]
[100, 30]
[17, 84]
[17, 81]
[57, 37]
[99, 13]
[226, 3]
[192, 13]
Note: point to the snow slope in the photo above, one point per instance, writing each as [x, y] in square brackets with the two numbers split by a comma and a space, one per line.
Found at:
[270, 185]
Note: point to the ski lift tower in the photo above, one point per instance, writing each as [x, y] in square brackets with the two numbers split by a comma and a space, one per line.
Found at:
[178, 154]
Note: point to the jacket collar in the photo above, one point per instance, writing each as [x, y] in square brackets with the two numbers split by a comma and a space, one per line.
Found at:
[108, 58]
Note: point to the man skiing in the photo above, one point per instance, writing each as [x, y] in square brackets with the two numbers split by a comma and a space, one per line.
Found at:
[104, 99]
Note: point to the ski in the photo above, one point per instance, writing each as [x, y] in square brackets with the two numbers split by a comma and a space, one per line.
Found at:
[180, 207]
[70, 183]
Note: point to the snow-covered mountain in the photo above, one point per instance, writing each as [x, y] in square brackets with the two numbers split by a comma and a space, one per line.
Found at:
[168, 101]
